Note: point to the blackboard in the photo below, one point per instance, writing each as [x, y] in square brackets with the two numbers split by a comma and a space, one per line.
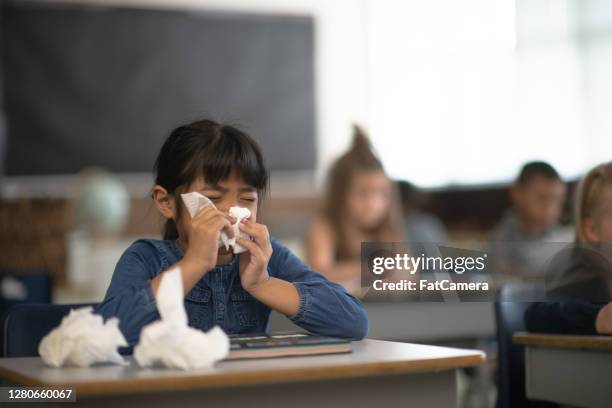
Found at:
[104, 86]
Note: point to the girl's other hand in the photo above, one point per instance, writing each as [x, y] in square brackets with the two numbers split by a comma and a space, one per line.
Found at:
[603, 323]
[254, 263]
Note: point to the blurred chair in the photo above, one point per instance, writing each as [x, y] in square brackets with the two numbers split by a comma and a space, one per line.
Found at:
[24, 287]
[24, 325]
[513, 300]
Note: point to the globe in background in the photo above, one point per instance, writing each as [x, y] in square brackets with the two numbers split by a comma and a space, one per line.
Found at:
[102, 203]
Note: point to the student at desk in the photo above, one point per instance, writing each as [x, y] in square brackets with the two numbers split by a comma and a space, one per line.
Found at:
[361, 205]
[235, 292]
[579, 300]
[537, 196]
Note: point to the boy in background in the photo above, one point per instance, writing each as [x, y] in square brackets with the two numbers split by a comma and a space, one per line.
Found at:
[537, 197]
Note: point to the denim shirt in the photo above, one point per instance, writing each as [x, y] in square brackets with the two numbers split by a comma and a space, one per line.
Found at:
[218, 298]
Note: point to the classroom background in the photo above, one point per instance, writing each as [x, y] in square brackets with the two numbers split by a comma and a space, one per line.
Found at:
[455, 97]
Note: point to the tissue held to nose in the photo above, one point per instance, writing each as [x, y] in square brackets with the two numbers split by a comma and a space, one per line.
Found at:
[83, 339]
[170, 341]
[196, 201]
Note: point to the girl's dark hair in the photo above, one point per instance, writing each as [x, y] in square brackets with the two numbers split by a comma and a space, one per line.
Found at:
[209, 150]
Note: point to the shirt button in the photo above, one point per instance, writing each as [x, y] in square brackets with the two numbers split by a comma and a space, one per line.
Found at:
[221, 306]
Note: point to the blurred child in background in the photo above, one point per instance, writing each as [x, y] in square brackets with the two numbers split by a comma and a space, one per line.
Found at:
[361, 205]
[578, 302]
[537, 198]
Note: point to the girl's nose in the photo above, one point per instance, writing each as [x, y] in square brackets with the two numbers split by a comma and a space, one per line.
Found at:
[227, 203]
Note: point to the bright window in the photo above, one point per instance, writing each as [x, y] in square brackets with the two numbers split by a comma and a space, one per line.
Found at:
[465, 92]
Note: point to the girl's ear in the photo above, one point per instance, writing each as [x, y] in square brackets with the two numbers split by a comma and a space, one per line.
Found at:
[164, 202]
[590, 230]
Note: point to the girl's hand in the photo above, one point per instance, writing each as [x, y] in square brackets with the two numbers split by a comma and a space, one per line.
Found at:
[603, 322]
[204, 232]
[254, 263]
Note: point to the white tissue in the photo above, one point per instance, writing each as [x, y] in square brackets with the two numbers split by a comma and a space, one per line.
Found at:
[195, 201]
[82, 339]
[170, 341]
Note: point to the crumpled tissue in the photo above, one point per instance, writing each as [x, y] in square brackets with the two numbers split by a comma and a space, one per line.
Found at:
[195, 201]
[82, 339]
[170, 341]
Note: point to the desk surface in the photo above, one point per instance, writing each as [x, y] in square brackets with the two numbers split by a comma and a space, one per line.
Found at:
[564, 341]
[369, 357]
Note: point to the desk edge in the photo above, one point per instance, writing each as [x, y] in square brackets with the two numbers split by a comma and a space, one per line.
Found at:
[563, 341]
[142, 385]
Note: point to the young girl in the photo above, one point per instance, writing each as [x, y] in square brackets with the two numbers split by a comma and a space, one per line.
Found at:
[579, 301]
[361, 205]
[235, 292]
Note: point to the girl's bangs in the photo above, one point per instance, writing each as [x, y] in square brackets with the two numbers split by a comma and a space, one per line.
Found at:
[233, 152]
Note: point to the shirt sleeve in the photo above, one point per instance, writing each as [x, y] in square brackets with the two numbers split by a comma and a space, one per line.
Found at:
[570, 308]
[573, 317]
[326, 308]
[129, 296]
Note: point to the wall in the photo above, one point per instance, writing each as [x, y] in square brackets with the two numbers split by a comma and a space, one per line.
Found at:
[340, 76]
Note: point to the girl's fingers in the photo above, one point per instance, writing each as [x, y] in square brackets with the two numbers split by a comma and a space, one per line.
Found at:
[204, 212]
[216, 222]
[228, 229]
[228, 225]
[221, 223]
[212, 216]
[258, 231]
[208, 214]
[210, 211]
[252, 247]
[256, 249]
[260, 234]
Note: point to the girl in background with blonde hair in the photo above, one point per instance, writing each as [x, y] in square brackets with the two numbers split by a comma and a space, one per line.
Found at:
[579, 302]
[361, 205]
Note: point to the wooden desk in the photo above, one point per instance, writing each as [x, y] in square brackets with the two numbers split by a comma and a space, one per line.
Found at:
[567, 369]
[376, 373]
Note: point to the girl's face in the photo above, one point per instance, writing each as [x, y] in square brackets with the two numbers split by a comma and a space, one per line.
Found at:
[369, 198]
[231, 192]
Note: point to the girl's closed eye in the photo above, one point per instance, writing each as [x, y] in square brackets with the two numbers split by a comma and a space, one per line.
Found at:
[249, 199]
[211, 194]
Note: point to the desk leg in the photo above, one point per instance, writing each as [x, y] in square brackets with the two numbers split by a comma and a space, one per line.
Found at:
[415, 390]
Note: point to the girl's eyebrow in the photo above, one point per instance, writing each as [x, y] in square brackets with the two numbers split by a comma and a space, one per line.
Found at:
[216, 188]
[247, 189]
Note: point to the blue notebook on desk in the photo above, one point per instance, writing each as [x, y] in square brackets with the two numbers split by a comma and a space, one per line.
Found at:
[284, 345]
